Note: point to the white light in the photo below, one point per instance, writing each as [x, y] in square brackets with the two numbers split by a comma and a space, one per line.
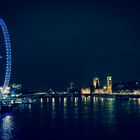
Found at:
[41, 100]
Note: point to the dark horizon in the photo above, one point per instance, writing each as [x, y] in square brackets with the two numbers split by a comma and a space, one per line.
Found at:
[56, 42]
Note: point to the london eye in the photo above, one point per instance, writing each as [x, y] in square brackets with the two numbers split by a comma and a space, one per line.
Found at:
[5, 56]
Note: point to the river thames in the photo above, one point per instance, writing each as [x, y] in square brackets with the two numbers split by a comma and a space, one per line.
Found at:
[72, 118]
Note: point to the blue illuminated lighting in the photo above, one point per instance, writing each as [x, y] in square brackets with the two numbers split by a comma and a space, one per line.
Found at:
[8, 55]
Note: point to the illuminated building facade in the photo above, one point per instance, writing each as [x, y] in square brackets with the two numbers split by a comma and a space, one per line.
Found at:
[6, 91]
[107, 88]
[109, 84]
[16, 86]
[96, 82]
[85, 91]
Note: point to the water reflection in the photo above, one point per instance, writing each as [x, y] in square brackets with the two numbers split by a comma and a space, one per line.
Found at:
[30, 107]
[7, 127]
[95, 117]
[138, 101]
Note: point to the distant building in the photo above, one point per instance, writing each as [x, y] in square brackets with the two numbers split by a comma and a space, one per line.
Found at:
[85, 91]
[109, 84]
[96, 82]
[127, 86]
[107, 87]
[71, 85]
[15, 89]
[16, 86]
[6, 91]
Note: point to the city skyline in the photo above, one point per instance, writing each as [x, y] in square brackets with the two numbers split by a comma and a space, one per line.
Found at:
[69, 69]
[57, 42]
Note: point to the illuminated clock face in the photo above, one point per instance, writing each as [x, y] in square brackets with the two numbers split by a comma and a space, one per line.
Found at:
[109, 78]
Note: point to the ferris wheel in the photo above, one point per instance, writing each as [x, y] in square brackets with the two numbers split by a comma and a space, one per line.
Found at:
[5, 56]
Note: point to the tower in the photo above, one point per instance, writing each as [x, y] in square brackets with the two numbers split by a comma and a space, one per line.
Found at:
[109, 84]
[71, 85]
[96, 82]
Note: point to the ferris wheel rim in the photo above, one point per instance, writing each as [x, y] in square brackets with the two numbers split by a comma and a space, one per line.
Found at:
[8, 55]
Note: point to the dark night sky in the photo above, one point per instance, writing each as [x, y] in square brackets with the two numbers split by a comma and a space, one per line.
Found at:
[55, 42]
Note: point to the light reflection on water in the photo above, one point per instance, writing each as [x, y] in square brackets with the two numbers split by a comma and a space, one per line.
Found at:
[7, 126]
[78, 116]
